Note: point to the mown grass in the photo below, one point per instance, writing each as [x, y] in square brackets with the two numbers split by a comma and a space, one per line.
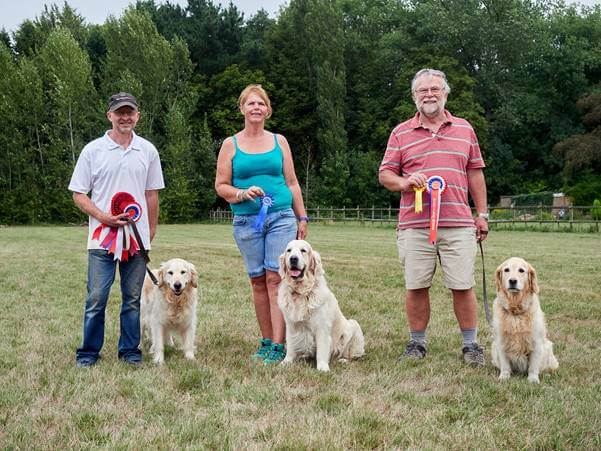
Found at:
[223, 400]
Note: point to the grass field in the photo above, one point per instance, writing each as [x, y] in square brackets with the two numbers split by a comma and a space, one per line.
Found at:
[223, 400]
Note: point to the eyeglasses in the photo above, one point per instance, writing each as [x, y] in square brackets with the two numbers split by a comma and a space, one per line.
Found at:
[433, 89]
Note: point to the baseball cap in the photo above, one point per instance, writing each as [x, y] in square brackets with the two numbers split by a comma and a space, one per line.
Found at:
[122, 99]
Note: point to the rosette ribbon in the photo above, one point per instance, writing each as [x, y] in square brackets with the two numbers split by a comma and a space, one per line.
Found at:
[120, 241]
[266, 201]
[435, 185]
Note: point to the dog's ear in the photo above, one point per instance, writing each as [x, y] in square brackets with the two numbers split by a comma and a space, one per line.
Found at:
[161, 275]
[194, 274]
[532, 279]
[315, 263]
[282, 270]
[499, 279]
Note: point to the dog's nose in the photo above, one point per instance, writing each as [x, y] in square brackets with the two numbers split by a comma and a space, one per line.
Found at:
[293, 260]
[513, 282]
[177, 286]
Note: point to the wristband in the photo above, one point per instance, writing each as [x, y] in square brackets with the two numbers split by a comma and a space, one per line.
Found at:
[303, 218]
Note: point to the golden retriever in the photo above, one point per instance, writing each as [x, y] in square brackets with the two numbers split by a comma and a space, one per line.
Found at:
[520, 335]
[315, 326]
[169, 308]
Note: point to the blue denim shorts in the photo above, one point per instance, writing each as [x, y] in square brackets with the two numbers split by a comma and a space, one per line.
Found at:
[261, 250]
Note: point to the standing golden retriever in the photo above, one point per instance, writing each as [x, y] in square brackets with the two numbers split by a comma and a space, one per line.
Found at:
[315, 326]
[169, 308]
[520, 342]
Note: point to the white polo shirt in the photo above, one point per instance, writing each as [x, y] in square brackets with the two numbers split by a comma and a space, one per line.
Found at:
[105, 168]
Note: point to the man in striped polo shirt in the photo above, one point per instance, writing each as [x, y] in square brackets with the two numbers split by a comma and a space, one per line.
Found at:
[435, 143]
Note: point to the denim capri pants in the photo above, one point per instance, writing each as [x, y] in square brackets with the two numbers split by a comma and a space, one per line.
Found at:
[261, 250]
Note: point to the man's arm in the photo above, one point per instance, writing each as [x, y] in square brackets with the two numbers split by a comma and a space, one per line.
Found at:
[394, 182]
[85, 204]
[477, 188]
[152, 203]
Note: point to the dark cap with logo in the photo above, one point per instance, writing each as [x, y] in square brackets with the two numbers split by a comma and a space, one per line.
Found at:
[122, 99]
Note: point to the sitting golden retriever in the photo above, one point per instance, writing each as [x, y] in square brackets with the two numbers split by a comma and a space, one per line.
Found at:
[520, 342]
[170, 308]
[315, 326]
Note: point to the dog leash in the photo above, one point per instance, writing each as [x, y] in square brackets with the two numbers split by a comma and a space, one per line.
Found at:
[143, 250]
[484, 292]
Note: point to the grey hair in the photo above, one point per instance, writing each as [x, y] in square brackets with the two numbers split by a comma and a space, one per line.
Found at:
[433, 73]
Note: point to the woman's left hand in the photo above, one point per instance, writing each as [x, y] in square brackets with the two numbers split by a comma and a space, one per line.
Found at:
[301, 232]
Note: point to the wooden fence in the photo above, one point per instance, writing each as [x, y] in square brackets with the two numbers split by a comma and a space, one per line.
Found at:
[516, 217]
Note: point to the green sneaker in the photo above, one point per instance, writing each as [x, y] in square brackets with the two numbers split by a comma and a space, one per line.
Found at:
[264, 348]
[276, 354]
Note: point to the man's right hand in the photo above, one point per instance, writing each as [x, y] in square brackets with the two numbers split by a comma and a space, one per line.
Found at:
[114, 221]
[415, 180]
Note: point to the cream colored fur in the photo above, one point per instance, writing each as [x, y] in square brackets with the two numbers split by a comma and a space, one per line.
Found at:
[169, 308]
[315, 326]
[520, 343]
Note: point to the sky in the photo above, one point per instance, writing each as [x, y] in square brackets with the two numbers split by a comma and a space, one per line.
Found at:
[14, 12]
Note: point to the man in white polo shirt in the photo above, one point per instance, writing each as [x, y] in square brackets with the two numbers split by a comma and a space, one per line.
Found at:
[119, 162]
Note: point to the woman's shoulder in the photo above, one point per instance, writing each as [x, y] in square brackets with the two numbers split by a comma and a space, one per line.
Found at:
[281, 139]
[228, 145]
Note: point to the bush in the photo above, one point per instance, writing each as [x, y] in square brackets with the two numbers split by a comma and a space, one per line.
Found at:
[596, 211]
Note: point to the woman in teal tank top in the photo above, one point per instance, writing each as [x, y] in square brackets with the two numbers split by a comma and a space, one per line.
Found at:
[255, 174]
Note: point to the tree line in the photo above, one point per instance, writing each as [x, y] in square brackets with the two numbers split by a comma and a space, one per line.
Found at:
[526, 74]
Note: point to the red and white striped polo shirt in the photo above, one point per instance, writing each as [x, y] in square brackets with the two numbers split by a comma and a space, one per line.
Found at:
[450, 152]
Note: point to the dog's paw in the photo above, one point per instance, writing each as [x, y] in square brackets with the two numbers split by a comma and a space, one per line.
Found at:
[189, 355]
[533, 378]
[287, 361]
[159, 359]
[323, 367]
[343, 360]
[504, 375]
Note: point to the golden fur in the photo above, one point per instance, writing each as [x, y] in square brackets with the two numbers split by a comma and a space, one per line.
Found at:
[315, 326]
[169, 308]
[520, 343]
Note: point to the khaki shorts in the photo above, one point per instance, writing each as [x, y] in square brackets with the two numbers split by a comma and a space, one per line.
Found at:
[457, 249]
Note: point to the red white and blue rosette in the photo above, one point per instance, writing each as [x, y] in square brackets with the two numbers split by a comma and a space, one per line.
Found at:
[266, 201]
[120, 241]
[435, 185]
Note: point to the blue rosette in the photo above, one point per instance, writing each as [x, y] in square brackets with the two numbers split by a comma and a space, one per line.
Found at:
[436, 182]
[266, 201]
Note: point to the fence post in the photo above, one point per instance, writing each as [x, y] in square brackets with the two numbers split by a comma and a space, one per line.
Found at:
[343, 213]
[571, 216]
[357, 213]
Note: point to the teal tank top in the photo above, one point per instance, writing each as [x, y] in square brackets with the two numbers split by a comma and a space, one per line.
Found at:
[265, 170]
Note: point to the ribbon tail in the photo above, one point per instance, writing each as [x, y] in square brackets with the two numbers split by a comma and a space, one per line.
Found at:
[109, 238]
[97, 232]
[260, 221]
[119, 246]
[434, 214]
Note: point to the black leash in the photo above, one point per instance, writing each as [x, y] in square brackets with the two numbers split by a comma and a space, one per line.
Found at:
[484, 292]
[143, 250]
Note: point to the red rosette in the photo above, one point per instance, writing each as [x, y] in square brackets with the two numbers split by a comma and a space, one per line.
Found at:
[123, 202]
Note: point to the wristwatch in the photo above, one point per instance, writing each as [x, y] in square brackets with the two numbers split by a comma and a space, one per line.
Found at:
[303, 218]
[483, 216]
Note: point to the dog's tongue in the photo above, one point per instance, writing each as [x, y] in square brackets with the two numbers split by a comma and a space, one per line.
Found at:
[295, 272]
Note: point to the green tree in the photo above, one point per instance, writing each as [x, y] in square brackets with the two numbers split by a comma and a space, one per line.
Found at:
[31, 35]
[17, 162]
[139, 55]
[73, 116]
